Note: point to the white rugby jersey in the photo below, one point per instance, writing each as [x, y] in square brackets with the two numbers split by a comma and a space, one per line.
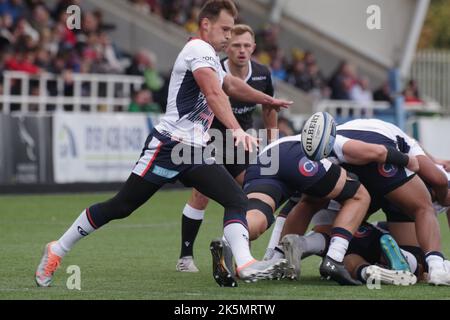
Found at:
[188, 117]
[374, 125]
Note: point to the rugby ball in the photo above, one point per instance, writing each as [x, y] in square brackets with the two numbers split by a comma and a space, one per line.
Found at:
[318, 136]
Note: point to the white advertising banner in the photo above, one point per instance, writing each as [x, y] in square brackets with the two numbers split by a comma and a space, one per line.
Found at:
[434, 135]
[97, 147]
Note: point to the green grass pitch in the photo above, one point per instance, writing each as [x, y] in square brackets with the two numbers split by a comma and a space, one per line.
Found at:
[135, 258]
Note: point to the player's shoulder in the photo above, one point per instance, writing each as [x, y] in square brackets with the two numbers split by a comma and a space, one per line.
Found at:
[198, 45]
[260, 70]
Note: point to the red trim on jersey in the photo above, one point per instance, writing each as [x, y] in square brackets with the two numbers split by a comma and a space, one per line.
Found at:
[88, 214]
[152, 160]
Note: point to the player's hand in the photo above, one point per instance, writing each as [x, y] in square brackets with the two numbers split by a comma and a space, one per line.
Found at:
[277, 104]
[413, 164]
[247, 140]
[444, 163]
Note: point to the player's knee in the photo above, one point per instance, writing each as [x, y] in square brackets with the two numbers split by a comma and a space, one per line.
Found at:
[199, 201]
[362, 195]
[264, 214]
[256, 230]
[423, 211]
[353, 189]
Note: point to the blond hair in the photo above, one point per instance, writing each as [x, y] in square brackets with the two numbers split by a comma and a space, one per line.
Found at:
[240, 29]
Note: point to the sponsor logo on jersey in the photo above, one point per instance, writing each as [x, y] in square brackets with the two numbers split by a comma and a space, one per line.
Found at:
[387, 170]
[308, 168]
[165, 173]
[260, 78]
[243, 110]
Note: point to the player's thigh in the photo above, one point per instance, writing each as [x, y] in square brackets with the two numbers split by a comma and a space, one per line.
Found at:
[345, 188]
[214, 182]
[411, 196]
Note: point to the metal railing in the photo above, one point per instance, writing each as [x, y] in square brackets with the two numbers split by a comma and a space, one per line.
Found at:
[25, 93]
[347, 109]
[431, 70]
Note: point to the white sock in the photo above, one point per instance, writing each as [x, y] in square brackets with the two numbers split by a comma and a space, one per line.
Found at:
[78, 230]
[315, 243]
[338, 248]
[276, 232]
[237, 236]
[193, 213]
[435, 262]
[411, 259]
[278, 254]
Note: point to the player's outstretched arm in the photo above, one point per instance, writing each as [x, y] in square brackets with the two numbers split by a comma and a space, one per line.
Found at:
[434, 177]
[219, 103]
[240, 90]
[360, 153]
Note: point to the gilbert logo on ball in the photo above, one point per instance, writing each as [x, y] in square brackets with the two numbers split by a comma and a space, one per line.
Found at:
[318, 136]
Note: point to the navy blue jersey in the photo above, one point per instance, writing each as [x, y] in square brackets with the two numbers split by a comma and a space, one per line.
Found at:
[259, 78]
[379, 178]
[284, 165]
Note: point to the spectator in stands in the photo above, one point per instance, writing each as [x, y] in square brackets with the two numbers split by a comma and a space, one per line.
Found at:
[299, 77]
[14, 8]
[6, 28]
[411, 93]
[278, 69]
[285, 127]
[40, 18]
[142, 5]
[144, 65]
[384, 93]
[143, 102]
[361, 93]
[342, 81]
[191, 24]
[23, 61]
[318, 84]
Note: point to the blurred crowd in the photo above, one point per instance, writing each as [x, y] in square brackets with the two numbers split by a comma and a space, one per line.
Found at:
[35, 38]
[299, 68]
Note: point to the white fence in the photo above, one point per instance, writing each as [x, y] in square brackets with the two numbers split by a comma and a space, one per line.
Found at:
[346, 109]
[25, 93]
[431, 70]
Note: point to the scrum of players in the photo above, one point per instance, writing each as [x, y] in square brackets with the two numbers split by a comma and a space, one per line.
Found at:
[333, 179]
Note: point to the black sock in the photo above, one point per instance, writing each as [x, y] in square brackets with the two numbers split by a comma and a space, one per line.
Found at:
[189, 230]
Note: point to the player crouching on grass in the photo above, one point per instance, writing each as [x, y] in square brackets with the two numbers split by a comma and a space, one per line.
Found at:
[357, 142]
[372, 253]
[319, 181]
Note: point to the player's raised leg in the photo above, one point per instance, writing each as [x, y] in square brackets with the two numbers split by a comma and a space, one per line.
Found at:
[133, 194]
